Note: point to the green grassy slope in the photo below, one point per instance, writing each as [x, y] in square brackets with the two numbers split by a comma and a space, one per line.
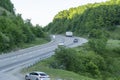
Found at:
[55, 73]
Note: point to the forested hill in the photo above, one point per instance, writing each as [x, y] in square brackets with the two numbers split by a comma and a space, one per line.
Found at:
[83, 19]
[6, 4]
[14, 31]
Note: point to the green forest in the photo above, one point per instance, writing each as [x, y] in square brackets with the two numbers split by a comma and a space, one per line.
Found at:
[14, 31]
[84, 19]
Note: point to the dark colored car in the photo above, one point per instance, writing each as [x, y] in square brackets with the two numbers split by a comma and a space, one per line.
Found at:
[75, 40]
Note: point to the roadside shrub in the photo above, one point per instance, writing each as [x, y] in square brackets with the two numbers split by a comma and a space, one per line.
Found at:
[93, 69]
[66, 58]
[97, 45]
[4, 42]
[89, 63]
[117, 50]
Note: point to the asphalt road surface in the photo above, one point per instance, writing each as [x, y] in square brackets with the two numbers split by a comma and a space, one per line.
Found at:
[11, 63]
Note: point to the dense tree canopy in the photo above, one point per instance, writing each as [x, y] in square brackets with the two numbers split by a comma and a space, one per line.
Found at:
[81, 20]
[14, 31]
[7, 5]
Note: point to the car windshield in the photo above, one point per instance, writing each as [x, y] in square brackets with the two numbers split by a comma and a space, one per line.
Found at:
[43, 74]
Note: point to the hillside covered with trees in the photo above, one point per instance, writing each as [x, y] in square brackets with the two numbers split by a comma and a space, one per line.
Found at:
[14, 31]
[83, 19]
[6, 4]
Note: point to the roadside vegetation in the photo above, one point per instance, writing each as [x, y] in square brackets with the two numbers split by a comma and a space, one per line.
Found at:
[37, 41]
[15, 32]
[55, 74]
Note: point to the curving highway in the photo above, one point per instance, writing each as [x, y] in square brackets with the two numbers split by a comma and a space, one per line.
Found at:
[9, 63]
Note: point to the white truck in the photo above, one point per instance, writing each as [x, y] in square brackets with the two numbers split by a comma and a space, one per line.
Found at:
[69, 34]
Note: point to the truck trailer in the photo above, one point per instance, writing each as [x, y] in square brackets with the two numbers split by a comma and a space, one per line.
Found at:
[69, 34]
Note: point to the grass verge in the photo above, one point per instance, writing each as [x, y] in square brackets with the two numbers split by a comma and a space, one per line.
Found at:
[113, 44]
[37, 41]
[55, 74]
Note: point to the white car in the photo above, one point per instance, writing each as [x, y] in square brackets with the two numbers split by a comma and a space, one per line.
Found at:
[61, 44]
[37, 76]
